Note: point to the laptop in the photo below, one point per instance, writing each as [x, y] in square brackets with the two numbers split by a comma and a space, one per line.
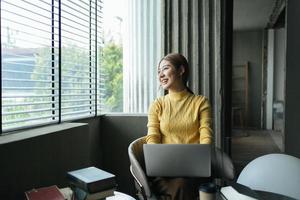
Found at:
[178, 160]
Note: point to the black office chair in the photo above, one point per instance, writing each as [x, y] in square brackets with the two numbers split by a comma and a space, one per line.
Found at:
[222, 167]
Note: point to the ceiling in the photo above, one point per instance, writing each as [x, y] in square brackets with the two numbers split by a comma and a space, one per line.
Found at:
[251, 14]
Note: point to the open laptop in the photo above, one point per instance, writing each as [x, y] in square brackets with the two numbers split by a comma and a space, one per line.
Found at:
[178, 160]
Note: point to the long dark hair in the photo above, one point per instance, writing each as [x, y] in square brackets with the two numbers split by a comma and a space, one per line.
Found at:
[178, 60]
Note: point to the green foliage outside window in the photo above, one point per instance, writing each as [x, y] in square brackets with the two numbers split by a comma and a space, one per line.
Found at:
[76, 59]
[112, 63]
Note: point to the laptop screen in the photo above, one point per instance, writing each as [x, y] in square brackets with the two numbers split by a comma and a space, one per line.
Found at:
[178, 160]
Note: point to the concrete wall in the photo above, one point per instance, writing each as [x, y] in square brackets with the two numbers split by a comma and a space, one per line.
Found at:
[292, 99]
[279, 64]
[117, 132]
[247, 46]
[44, 160]
[279, 79]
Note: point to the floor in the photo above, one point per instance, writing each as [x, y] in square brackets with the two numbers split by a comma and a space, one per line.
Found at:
[250, 144]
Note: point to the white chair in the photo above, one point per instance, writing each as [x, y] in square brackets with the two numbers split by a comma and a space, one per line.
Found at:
[276, 173]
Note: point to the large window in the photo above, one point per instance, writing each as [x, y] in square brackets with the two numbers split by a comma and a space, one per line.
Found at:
[69, 59]
[48, 61]
[131, 50]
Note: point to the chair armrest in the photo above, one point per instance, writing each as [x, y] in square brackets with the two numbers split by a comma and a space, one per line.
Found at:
[222, 166]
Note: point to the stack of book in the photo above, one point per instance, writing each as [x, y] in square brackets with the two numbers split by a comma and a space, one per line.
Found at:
[92, 183]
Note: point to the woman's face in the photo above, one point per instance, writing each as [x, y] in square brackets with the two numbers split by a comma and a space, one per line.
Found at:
[169, 77]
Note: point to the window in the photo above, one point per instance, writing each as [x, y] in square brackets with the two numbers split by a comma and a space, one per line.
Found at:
[131, 50]
[48, 61]
[69, 59]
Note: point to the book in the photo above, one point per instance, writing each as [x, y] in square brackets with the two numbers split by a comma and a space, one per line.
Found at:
[83, 195]
[67, 193]
[45, 193]
[238, 192]
[91, 179]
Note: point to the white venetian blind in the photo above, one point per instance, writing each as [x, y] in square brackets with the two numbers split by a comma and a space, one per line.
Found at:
[29, 70]
[48, 61]
[78, 64]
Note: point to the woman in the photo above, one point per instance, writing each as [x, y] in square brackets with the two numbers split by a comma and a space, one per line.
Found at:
[178, 117]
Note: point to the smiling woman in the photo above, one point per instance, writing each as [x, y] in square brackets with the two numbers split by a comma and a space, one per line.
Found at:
[180, 117]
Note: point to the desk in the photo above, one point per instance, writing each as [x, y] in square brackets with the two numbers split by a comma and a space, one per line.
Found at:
[120, 196]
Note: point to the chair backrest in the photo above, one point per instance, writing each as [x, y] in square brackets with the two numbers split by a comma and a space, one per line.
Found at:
[136, 158]
[276, 173]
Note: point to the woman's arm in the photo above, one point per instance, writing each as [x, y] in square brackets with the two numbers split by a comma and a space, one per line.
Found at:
[205, 129]
[154, 135]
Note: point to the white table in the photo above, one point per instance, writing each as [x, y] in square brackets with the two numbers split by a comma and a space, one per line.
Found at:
[120, 196]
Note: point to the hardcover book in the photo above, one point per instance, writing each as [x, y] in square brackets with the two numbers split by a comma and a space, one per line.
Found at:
[83, 195]
[92, 179]
[45, 193]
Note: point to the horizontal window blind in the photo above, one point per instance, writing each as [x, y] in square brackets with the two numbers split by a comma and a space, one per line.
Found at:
[48, 61]
[78, 59]
[29, 64]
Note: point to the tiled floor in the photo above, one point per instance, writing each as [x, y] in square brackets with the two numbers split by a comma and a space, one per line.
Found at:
[250, 144]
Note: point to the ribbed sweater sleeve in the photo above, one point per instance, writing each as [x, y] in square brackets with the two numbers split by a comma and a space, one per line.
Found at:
[154, 135]
[205, 122]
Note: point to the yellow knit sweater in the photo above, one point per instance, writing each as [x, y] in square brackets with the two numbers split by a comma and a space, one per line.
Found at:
[180, 117]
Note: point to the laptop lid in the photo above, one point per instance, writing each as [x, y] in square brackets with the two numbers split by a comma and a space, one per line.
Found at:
[178, 160]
